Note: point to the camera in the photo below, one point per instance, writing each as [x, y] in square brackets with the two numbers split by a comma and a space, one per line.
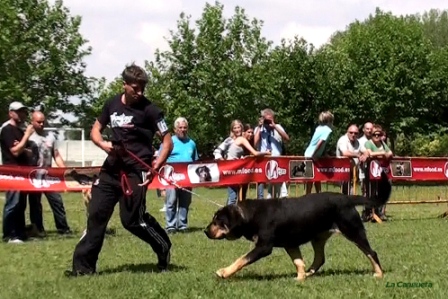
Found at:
[267, 122]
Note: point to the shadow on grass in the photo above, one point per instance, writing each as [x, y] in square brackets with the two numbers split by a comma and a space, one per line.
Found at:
[140, 268]
[191, 230]
[292, 275]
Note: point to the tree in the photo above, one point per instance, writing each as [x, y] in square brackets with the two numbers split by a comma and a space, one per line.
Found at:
[214, 73]
[41, 54]
[385, 66]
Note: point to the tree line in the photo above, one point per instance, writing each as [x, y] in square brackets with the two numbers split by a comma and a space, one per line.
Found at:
[388, 69]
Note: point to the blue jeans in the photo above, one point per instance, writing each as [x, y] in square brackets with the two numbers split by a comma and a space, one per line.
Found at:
[277, 190]
[56, 205]
[177, 206]
[233, 192]
[14, 215]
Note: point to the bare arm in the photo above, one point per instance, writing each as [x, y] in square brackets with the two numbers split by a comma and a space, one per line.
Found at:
[97, 138]
[58, 159]
[166, 148]
[243, 141]
[19, 147]
[282, 133]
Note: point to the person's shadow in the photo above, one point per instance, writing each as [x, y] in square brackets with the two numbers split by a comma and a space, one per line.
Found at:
[140, 268]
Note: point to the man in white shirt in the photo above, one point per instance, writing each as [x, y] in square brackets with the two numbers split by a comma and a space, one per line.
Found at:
[367, 130]
[270, 136]
[349, 146]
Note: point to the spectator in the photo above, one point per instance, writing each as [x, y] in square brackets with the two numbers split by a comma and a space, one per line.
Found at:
[237, 149]
[220, 153]
[376, 149]
[248, 133]
[14, 142]
[178, 200]
[269, 136]
[367, 130]
[236, 130]
[318, 143]
[44, 146]
[348, 146]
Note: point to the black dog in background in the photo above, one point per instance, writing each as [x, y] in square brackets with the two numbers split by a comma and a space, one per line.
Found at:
[290, 223]
[203, 173]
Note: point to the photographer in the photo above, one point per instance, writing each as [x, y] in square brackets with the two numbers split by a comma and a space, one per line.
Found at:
[270, 136]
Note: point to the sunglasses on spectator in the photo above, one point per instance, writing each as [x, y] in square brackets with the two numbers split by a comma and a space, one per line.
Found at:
[377, 134]
[353, 133]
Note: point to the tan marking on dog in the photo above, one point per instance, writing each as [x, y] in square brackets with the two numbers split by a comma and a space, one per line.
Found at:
[87, 196]
[217, 231]
[376, 268]
[236, 266]
[296, 256]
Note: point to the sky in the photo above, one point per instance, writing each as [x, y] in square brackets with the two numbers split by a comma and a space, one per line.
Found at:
[121, 32]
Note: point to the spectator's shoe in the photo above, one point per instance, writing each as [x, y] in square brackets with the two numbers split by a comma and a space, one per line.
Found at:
[164, 261]
[65, 232]
[15, 241]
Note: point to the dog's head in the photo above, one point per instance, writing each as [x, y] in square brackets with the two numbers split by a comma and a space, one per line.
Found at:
[203, 173]
[226, 223]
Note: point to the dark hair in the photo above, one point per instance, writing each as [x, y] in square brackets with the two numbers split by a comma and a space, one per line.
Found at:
[133, 74]
[247, 127]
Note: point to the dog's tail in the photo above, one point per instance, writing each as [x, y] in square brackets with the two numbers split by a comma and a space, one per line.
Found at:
[384, 191]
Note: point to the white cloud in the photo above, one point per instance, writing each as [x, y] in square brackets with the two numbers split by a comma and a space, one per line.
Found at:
[124, 31]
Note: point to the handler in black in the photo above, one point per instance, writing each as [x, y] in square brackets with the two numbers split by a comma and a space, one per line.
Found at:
[134, 121]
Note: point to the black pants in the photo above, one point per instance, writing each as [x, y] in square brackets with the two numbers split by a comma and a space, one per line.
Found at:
[57, 206]
[134, 218]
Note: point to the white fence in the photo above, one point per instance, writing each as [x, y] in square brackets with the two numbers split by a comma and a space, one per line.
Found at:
[71, 151]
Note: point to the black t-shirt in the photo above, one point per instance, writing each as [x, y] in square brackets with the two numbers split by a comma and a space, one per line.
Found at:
[135, 126]
[8, 136]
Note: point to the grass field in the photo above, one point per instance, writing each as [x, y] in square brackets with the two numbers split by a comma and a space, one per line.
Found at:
[412, 247]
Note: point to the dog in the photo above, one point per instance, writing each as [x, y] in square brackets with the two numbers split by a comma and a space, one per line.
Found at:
[290, 223]
[203, 173]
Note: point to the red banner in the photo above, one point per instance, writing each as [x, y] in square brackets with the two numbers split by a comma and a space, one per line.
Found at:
[411, 169]
[224, 173]
[213, 173]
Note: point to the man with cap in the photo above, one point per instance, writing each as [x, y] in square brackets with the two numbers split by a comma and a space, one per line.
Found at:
[13, 143]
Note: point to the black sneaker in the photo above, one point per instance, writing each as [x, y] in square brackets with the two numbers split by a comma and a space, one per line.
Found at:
[164, 261]
[65, 232]
[71, 273]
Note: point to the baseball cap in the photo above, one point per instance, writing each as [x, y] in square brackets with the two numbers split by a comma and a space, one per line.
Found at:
[15, 106]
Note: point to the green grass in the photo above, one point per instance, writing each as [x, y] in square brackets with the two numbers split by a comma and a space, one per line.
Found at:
[411, 247]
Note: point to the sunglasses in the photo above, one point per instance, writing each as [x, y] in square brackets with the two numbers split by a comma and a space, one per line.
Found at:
[377, 134]
[353, 133]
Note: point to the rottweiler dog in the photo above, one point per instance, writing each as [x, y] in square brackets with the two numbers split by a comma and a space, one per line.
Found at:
[203, 173]
[290, 223]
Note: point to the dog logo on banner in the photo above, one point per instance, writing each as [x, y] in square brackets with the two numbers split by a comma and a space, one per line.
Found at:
[167, 171]
[39, 178]
[375, 169]
[273, 171]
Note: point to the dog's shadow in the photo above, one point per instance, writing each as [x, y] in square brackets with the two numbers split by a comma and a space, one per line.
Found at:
[193, 230]
[292, 275]
[140, 268]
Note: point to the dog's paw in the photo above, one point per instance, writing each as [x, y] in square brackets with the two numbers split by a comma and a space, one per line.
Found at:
[378, 275]
[301, 277]
[222, 273]
[310, 272]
